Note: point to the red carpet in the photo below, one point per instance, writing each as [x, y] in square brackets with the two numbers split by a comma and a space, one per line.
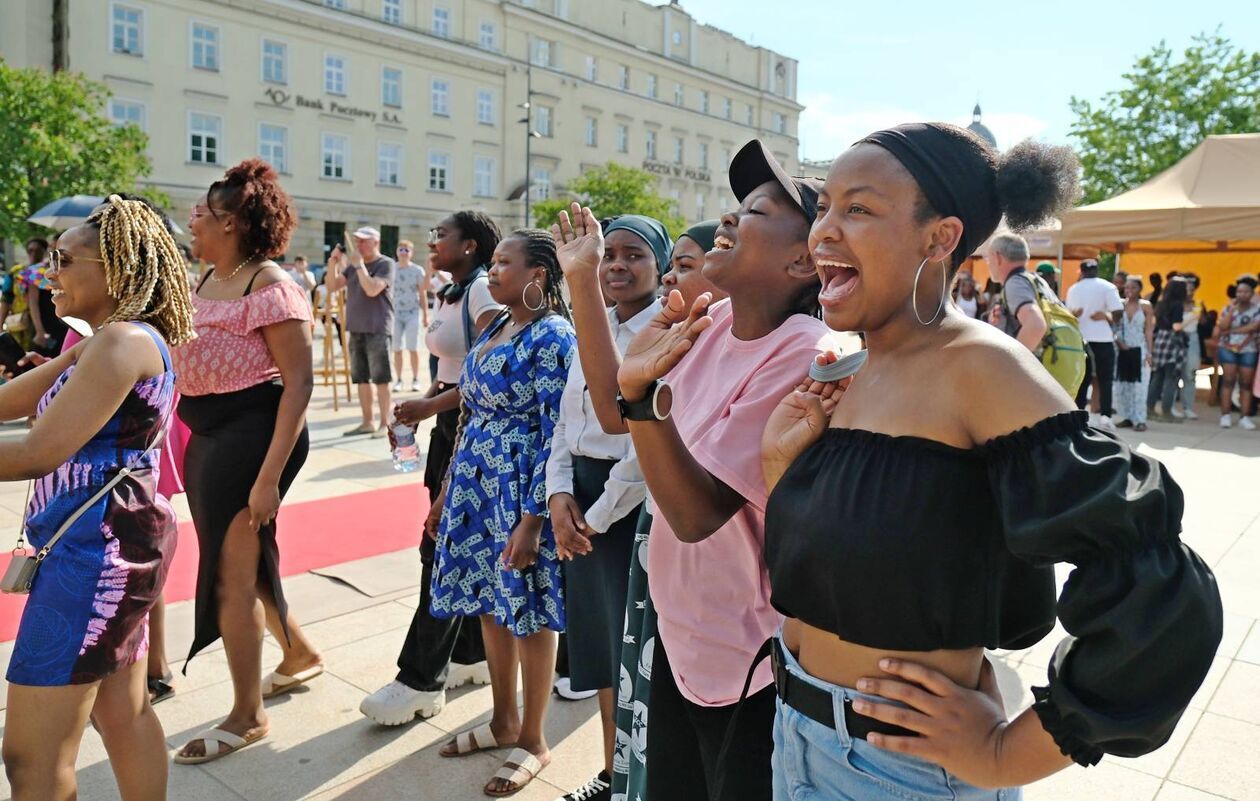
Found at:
[313, 534]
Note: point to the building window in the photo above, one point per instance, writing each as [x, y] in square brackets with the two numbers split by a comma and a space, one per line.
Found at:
[678, 94]
[651, 86]
[542, 120]
[704, 101]
[726, 158]
[126, 112]
[623, 79]
[485, 107]
[275, 57]
[389, 164]
[334, 152]
[128, 30]
[334, 75]
[592, 73]
[679, 147]
[391, 11]
[780, 123]
[623, 138]
[439, 171]
[541, 185]
[205, 47]
[488, 36]
[205, 138]
[726, 107]
[442, 22]
[749, 114]
[391, 87]
[650, 148]
[699, 207]
[542, 52]
[704, 155]
[592, 132]
[441, 98]
[340, 5]
[483, 177]
[273, 146]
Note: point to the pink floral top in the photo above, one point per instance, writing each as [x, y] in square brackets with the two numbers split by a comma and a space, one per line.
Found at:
[229, 353]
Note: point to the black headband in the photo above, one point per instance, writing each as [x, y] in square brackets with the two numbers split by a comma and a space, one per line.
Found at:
[956, 172]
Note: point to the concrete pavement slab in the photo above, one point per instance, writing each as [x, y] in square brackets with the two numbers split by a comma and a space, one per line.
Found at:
[1105, 781]
[1220, 758]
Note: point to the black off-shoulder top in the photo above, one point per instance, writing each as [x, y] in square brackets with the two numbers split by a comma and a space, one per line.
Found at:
[909, 544]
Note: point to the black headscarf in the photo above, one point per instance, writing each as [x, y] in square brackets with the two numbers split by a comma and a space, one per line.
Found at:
[955, 170]
[702, 234]
[651, 231]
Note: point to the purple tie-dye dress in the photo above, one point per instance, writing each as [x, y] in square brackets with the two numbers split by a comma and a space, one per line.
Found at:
[87, 614]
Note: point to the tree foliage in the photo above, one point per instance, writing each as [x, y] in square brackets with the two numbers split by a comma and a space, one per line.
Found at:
[1164, 111]
[56, 141]
[615, 189]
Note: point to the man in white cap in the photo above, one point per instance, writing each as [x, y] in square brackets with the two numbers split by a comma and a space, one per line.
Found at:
[368, 277]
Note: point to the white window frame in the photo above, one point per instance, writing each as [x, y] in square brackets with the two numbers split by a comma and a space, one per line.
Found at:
[440, 97]
[391, 12]
[726, 107]
[623, 78]
[485, 103]
[325, 140]
[703, 153]
[267, 148]
[704, 101]
[343, 70]
[545, 121]
[139, 25]
[484, 168]
[130, 103]
[392, 99]
[652, 85]
[212, 49]
[623, 138]
[700, 207]
[750, 114]
[340, 5]
[488, 35]
[540, 185]
[679, 95]
[779, 122]
[382, 157]
[439, 160]
[441, 22]
[218, 139]
[263, 57]
[726, 158]
[592, 69]
[680, 149]
[542, 55]
[649, 145]
[591, 135]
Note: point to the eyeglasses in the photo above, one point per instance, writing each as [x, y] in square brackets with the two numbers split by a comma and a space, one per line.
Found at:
[57, 259]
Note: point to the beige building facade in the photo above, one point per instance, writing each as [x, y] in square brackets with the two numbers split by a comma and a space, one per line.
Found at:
[393, 113]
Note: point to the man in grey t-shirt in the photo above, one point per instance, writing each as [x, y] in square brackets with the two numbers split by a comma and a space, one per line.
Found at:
[1018, 313]
[368, 278]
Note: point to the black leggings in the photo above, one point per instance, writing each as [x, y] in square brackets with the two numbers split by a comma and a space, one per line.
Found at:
[684, 740]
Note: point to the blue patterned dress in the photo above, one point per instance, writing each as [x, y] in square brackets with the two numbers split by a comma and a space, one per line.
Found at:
[512, 391]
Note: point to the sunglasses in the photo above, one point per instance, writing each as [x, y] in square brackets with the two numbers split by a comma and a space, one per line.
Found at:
[57, 259]
[404, 250]
[434, 235]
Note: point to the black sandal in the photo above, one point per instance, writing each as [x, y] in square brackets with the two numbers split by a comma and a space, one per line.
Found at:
[159, 689]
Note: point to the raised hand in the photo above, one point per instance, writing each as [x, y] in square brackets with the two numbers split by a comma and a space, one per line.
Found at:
[798, 421]
[579, 241]
[662, 343]
[352, 251]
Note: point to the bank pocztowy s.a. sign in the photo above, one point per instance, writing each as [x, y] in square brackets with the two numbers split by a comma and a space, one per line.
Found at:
[279, 97]
[677, 171]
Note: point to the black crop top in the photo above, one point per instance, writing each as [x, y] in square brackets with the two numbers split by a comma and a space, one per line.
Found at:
[909, 544]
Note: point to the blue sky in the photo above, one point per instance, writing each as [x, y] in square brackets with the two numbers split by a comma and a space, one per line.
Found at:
[864, 66]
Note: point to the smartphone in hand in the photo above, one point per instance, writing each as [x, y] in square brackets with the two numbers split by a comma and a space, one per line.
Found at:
[11, 353]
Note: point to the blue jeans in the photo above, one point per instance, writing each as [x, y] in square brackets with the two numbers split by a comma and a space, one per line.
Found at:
[813, 762]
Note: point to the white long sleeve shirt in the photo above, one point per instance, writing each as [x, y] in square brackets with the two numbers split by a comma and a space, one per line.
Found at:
[579, 434]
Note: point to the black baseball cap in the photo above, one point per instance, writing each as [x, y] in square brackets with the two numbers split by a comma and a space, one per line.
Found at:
[754, 165]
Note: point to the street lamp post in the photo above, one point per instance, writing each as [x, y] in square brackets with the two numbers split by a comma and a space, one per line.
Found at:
[530, 133]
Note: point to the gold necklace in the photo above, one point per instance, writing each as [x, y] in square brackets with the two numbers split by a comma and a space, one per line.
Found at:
[214, 274]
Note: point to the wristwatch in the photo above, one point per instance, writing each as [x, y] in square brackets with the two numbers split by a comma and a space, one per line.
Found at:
[655, 405]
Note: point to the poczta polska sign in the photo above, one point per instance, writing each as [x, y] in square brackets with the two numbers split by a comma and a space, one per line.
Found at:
[279, 97]
[677, 171]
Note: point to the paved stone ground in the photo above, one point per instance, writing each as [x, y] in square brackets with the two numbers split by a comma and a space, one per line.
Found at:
[322, 748]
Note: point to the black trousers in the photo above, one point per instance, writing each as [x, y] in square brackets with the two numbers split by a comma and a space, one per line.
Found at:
[684, 740]
[1100, 360]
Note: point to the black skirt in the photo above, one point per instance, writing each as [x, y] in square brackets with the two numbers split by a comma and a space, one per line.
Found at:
[595, 587]
[441, 447]
[230, 435]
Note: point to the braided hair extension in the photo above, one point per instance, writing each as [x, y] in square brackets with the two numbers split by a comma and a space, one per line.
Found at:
[144, 270]
[540, 251]
[478, 227]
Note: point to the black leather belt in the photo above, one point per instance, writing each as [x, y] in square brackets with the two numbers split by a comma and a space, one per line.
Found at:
[816, 703]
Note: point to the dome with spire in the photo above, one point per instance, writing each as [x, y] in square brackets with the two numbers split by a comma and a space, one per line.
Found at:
[980, 129]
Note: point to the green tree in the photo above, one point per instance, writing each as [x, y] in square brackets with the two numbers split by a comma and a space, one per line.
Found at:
[1166, 108]
[55, 141]
[615, 189]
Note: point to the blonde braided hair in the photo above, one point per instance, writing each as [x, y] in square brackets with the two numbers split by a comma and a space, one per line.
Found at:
[144, 270]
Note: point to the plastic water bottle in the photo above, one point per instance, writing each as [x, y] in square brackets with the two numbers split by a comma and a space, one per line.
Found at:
[406, 454]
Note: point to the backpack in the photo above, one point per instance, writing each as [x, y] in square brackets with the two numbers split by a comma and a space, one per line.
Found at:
[1062, 349]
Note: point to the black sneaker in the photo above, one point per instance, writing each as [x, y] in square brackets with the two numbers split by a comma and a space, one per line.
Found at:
[597, 789]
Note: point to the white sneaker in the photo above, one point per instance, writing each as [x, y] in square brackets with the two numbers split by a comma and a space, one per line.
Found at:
[1246, 423]
[415, 386]
[565, 690]
[396, 704]
[1227, 421]
[1190, 415]
[1105, 423]
[1178, 414]
[458, 675]
[398, 385]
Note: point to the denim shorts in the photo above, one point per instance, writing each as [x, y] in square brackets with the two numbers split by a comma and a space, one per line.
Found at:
[812, 761]
[406, 330]
[1246, 361]
[369, 358]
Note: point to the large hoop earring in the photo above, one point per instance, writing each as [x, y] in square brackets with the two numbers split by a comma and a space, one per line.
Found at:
[914, 298]
[542, 297]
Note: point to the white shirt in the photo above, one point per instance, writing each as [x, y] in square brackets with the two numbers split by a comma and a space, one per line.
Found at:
[446, 337]
[578, 433]
[1094, 295]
